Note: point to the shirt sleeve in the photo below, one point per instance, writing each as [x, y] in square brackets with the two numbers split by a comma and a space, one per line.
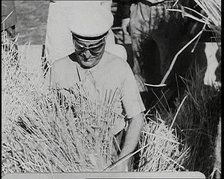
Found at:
[131, 99]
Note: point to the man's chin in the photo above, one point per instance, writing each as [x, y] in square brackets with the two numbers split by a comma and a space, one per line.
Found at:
[88, 64]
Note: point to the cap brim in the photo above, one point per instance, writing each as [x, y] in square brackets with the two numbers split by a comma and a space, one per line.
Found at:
[79, 37]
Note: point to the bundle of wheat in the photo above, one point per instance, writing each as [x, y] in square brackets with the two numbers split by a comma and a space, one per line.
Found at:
[47, 136]
[163, 151]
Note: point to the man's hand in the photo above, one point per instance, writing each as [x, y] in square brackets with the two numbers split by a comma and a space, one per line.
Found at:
[131, 140]
[125, 24]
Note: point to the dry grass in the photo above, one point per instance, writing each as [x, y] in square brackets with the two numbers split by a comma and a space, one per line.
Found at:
[47, 136]
[197, 122]
[196, 125]
[212, 10]
[164, 151]
[209, 16]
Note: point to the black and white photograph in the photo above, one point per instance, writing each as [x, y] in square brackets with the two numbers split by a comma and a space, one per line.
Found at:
[97, 89]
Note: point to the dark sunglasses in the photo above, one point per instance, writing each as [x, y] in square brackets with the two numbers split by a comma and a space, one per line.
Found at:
[96, 46]
[94, 49]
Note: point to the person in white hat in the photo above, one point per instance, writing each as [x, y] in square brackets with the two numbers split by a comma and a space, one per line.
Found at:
[58, 37]
[100, 72]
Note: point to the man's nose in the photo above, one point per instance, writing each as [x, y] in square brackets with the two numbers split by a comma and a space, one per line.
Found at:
[87, 53]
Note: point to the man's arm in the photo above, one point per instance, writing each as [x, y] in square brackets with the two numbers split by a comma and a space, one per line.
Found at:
[131, 140]
[134, 109]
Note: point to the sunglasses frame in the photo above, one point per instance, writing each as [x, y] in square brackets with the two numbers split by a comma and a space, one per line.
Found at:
[84, 48]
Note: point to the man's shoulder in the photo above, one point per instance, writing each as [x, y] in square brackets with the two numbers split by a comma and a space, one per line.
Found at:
[62, 63]
[116, 65]
[113, 59]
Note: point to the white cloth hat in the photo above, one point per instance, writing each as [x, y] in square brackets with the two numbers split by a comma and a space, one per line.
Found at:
[90, 20]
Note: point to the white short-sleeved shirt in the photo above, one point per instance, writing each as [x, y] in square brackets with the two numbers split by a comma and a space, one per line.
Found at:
[111, 74]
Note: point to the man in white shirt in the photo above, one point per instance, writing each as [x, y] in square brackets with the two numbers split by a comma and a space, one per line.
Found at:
[100, 72]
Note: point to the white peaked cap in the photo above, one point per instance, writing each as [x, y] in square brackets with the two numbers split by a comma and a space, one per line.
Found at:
[90, 20]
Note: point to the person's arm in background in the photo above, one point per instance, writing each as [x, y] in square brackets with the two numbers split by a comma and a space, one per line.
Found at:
[125, 6]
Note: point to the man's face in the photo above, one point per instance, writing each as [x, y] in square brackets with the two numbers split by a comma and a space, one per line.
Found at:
[89, 52]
